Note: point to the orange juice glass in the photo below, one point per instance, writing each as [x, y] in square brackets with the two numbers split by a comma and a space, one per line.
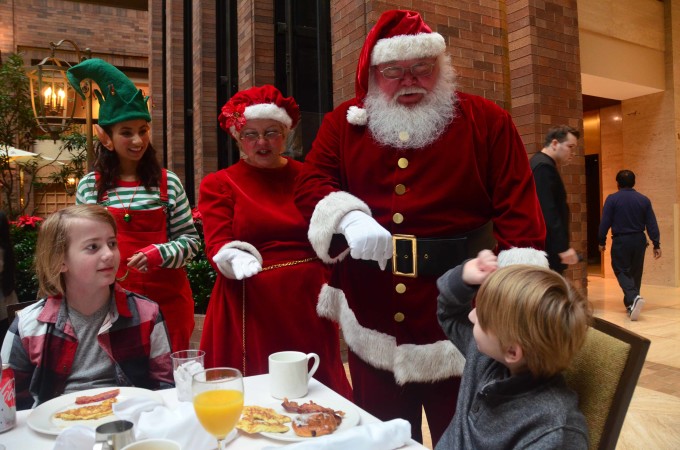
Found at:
[218, 400]
[218, 410]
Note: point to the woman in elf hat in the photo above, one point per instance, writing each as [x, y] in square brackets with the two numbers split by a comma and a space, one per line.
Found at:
[156, 231]
[264, 300]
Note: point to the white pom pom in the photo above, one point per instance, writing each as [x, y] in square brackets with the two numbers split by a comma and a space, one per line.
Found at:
[356, 116]
[517, 255]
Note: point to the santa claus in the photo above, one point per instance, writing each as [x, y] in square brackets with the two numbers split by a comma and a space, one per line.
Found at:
[402, 183]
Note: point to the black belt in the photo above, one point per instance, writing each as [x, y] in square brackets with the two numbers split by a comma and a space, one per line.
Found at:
[626, 234]
[413, 256]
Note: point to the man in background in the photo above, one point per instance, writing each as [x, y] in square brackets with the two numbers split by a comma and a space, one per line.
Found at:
[558, 147]
[628, 213]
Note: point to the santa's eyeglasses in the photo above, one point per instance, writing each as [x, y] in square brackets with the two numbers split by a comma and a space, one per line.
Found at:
[251, 137]
[422, 69]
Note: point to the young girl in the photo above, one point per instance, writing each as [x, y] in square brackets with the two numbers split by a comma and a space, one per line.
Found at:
[7, 274]
[86, 331]
[156, 231]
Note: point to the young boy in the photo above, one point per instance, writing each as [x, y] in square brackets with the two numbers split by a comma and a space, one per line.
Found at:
[527, 325]
[86, 332]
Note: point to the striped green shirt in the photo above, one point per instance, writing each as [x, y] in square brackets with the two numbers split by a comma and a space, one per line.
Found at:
[183, 239]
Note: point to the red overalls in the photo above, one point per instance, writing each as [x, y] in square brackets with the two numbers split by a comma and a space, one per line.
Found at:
[168, 287]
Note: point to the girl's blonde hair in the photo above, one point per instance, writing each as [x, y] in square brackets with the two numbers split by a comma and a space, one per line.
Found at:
[53, 242]
[537, 309]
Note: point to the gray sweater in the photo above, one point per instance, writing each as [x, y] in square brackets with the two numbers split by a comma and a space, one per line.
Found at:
[496, 410]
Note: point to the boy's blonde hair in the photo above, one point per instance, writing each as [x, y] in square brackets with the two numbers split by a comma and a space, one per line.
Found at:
[537, 309]
[53, 243]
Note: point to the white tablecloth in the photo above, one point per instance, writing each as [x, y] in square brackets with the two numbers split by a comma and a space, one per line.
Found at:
[22, 437]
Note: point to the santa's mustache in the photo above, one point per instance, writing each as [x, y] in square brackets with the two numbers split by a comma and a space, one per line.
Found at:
[410, 90]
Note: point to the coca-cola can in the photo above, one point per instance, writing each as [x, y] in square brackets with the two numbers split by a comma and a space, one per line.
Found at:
[8, 405]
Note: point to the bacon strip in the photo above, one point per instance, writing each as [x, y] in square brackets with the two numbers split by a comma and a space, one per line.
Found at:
[84, 399]
[310, 408]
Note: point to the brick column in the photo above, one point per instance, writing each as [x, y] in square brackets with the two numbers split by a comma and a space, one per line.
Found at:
[156, 76]
[205, 109]
[545, 82]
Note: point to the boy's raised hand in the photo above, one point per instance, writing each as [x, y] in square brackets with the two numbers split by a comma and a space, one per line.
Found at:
[477, 269]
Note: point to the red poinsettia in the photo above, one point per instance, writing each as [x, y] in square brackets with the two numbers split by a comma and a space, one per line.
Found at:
[196, 215]
[28, 221]
[232, 116]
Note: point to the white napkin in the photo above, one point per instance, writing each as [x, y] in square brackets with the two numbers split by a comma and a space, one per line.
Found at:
[77, 437]
[154, 420]
[375, 436]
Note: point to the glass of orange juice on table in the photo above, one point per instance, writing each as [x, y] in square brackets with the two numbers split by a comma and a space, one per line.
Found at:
[218, 400]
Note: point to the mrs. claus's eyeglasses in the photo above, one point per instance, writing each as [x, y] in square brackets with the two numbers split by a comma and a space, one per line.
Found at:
[251, 137]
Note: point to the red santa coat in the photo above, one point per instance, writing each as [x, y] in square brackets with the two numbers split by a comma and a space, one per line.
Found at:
[253, 209]
[475, 172]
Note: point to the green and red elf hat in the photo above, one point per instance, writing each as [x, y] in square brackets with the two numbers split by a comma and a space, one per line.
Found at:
[119, 98]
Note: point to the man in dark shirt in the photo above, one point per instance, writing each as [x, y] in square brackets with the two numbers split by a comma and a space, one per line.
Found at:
[559, 145]
[628, 213]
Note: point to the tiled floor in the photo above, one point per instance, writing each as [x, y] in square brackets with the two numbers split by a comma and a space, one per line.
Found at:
[653, 419]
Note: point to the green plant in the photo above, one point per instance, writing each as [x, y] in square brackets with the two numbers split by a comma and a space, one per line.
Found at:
[200, 273]
[24, 234]
[75, 144]
[16, 122]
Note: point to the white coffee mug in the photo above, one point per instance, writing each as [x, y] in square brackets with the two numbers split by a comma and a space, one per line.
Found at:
[289, 373]
[153, 444]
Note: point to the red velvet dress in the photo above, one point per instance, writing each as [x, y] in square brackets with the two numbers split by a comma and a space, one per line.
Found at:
[248, 204]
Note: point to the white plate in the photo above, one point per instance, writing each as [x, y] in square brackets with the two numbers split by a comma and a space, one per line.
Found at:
[350, 420]
[42, 418]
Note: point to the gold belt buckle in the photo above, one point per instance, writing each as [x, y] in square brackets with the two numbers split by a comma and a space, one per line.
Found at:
[414, 257]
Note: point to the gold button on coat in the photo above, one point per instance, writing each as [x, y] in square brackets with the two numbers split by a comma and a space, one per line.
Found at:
[402, 163]
[400, 288]
[400, 189]
[397, 218]
[399, 317]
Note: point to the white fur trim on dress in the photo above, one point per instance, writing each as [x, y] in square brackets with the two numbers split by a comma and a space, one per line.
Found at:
[408, 362]
[246, 247]
[325, 219]
[408, 46]
[357, 116]
[268, 111]
[516, 255]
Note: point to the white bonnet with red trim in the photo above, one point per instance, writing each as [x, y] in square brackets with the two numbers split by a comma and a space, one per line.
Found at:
[398, 35]
[259, 102]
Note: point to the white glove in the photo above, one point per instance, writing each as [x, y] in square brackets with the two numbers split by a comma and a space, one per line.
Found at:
[366, 238]
[236, 264]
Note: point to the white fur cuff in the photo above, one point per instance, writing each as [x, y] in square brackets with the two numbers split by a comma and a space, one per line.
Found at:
[325, 219]
[516, 255]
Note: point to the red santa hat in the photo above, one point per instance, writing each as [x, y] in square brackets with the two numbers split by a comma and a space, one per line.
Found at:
[398, 35]
[259, 102]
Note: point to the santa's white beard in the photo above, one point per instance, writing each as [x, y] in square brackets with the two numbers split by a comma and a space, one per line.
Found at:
[421, 124]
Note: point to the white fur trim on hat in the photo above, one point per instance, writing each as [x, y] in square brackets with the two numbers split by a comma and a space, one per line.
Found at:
[357, 116]
[408, 46]
[410, 363]
[268, 111]
[527, 255]
[325, 219]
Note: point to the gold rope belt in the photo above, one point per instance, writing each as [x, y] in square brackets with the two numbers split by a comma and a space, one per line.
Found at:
[243, 304]
[289, 263]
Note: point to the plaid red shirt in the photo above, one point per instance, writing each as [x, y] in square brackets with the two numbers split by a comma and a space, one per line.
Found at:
[41, 344]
